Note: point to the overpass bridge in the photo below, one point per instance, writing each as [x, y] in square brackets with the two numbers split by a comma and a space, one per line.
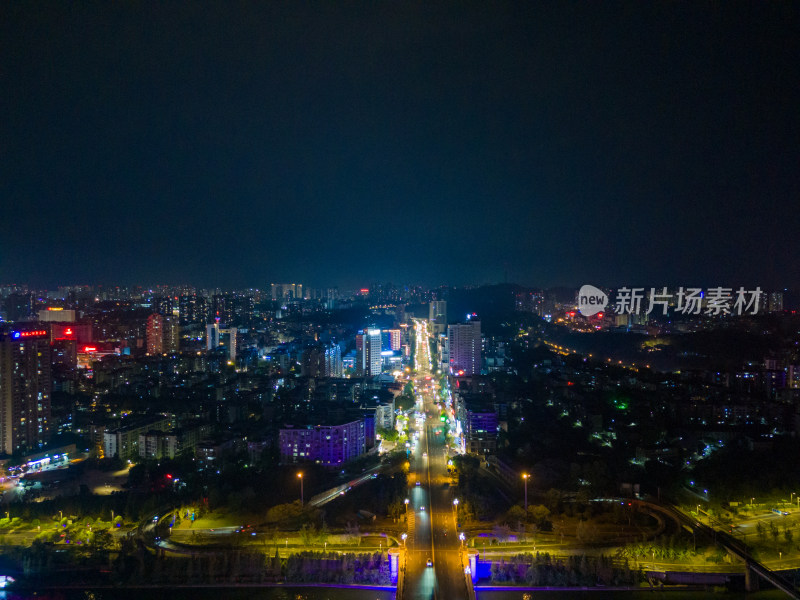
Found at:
[737, 548]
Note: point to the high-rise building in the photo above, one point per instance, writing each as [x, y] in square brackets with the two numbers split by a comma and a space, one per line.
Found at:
[244, 309]
[331, 296]
[374, 349]
[390, 339]
[312, 362]
[478, 420]
[155, 334]
[776, 302]
[793, 377]
[222, 308]
[192, 309]
[333, 361]
[162, 305]
[286, 291]
[212, 335]
[437, 315]
[18, 307]
[25, 387]
[163, 334]
[368, 353]
[172, 334]
[464, 344]
[217, 337]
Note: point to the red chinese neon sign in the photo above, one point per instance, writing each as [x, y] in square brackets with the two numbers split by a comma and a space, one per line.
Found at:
[17, 335]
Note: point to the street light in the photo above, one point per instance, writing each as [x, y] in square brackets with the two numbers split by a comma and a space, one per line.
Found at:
[300, 476]
[525, 478]
[461, 537]
[403, 537]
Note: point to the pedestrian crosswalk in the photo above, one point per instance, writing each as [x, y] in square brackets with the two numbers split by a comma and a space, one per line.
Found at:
[412, 527]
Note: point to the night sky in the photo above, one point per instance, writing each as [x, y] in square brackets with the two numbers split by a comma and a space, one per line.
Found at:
[235, 144]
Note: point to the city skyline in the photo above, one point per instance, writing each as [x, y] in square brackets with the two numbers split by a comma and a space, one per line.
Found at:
[399, 299]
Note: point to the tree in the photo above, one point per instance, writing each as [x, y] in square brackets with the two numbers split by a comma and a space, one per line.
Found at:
[396, 509]
[282, 513]
[501, 532]
[353, 533]
[103, 540]
[538, 513]
[390, 435]
[552, 500]
[322, 536]
[773, 530]
[308, 534]
[515, 514]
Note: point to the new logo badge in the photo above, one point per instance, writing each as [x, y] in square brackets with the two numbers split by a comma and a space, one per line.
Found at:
[591, 300]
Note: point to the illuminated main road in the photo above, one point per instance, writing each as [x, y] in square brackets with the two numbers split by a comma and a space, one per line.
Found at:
[432, 532]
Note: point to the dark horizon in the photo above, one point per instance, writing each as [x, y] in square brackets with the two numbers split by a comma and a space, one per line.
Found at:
[345, 144]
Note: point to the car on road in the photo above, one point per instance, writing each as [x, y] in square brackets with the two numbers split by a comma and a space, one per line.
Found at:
[422, 508]
[424, 455]
[429, 563]
[418, 482]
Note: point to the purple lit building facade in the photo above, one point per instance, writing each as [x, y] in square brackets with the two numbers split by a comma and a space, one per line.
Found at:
[329, 445]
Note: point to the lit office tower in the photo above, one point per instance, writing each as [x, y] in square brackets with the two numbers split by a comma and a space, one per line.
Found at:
[464, 340]
[437, 315]
[368, 351]
[374, 359]
[25, 387]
